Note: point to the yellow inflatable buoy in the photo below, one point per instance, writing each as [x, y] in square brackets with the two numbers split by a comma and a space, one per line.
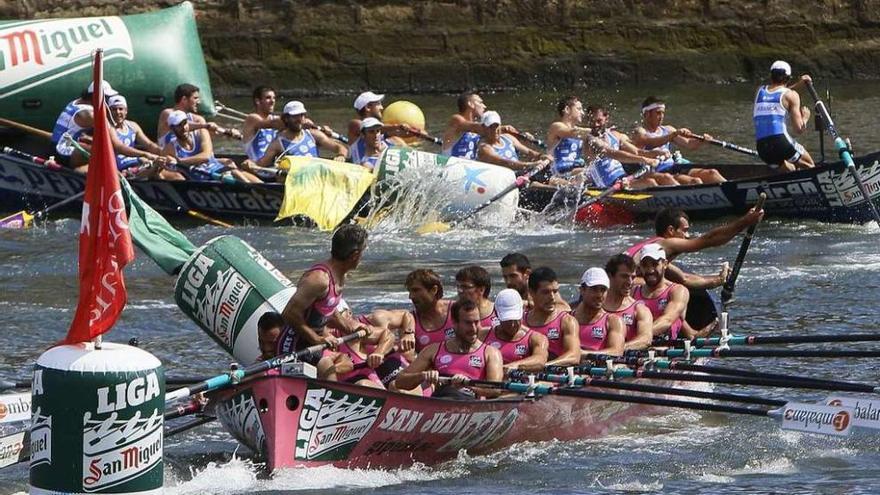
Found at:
[405, 112]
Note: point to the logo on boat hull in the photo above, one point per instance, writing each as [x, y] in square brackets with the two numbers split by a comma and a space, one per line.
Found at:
[332, 422]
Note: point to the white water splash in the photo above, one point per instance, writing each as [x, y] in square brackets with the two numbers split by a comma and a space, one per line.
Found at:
[780, 465]
[636, 487]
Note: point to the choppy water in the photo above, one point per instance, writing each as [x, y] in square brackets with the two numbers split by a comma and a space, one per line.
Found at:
[801, 277]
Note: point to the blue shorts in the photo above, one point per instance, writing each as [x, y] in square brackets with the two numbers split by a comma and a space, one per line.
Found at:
[209, 170]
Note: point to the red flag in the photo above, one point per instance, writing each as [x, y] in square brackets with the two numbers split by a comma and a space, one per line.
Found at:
[104, 239]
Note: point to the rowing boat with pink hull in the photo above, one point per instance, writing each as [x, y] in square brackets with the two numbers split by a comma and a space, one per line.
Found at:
[292, 421]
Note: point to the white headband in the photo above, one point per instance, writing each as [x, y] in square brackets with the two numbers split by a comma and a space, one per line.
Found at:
[653, 106]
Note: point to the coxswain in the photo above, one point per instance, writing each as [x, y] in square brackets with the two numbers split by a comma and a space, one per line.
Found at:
[774, 103]
[566, 136]
[262, 125]
[636, 317]
[462, 358]
[515, 270]
[600, 332]
[318, 295]
[146, 165]
[374, 143]
[609, 148]
[500, 148]
[545, 317]
[186, 99]
[521, 348]
[269, 329]
[653, 135]
[295, 140]
[194, 153]
[666, 300]
[432, 315]
[464, 129]
[474, 284]
[672, 228]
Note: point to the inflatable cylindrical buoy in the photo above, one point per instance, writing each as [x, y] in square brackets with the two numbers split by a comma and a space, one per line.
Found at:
[225, 287]
[405, 112]
[97, 421]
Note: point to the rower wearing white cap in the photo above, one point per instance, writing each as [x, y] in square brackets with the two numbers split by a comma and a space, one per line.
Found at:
[295, 140]
[520, 347]
[131, 134]
[194, 152]
[600, 331]
[186, 99]
[774, 103]
[500, 148]
[369, 104]
[374, 143]
[667, 301]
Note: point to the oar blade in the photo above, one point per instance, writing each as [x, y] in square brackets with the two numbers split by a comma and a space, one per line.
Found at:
[866, 412]
[14, 448]
[20, 220]
[817, 418]
[15, 408]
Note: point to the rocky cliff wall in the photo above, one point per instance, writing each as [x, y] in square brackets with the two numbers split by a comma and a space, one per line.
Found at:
[316, 46]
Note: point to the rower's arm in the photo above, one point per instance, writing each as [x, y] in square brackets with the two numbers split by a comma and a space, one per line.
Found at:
[524, 150]
[330, 144]
[354, 129]
[571, 343]
[716, 237]
[494, 373]
[415, 373]
[600, 148]
[675, 308]
[121, 148]
[488, 155]
[644, 334]
[205, 154]
[142, 139]
[798, 118]
[268, 158]
[642, 139]
[692, 280]
[311, 287]
[614, 343]
[536, 361]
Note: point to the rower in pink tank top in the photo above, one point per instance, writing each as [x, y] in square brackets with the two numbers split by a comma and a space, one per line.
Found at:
[511, 350]
[425, 337]
[657, 304]
[361, 370]
[551, 330]
[471, 364]
[594, 335]
[631, 252]
[323, 308]
[628, 317]
[491, 320]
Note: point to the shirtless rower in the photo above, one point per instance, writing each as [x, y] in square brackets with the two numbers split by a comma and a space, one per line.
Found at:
[463, 357]
[318, 293]
[636, 317]
[194, 153]
[666, 300]
[672, 228]
[186, 99]
[262, 125]
[652, 134]
[499, 148]
[774, 104]
[295, 140]
[474, 284]
[521, 348]
[545, 317]
[515, 269]
[565, 137]
[600, 332]
[431, 315]
[374, 143]
[611, 147]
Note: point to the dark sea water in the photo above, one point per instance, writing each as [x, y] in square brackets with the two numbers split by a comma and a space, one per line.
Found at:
[800, 278]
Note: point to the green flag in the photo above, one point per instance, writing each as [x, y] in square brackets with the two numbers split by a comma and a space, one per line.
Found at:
[154, 235]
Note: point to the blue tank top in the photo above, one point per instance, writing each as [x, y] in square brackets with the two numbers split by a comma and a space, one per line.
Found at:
[566, 154]
[667, 164]
[304, 146]
[182, 152]
[769, 114]
[505, 148]
[606, 170]
[465, 147]
[167, 137]
[65, 123]
[259, 143]
[127, 135]
[358, 148]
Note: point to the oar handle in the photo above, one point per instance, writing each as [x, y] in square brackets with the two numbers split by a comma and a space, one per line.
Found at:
[536, 141]
[427, 137]
[730, 284]
[727, 145]
[333, 134]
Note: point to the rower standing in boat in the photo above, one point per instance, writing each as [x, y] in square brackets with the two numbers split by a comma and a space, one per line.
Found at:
[565, 137]
[131, 135]
[464, 129]
[545, 317]
[262, 126]
[515, 270]
[652, 135]
[521, 348]
[474, 284]
[600, 332]
[294, 140]
[606, 153]
[431, 315]
[666, 300]
[636, 317]
[500, 148]
[374, 143]
[773, 103]
[194, 152]
[463, 357]
[186, 99]
[318, 294]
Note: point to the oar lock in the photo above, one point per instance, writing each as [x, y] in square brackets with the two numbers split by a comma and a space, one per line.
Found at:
[725, 333]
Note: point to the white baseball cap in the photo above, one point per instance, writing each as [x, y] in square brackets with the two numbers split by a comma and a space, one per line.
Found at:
[294, 108]
[370, 123]
[365, 99]
[176, 117]
[654, 251]
[509, 305]
[781, 65]
[105, 88]
[595, 276]
[117, 101]
[491, 118]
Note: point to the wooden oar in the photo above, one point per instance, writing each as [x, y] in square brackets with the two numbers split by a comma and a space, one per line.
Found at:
[427, 137]
[730, 284]
[726, 145]
[24, 127]
[844, 151]
[220, 106]
[330, 132]
[531, 139]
